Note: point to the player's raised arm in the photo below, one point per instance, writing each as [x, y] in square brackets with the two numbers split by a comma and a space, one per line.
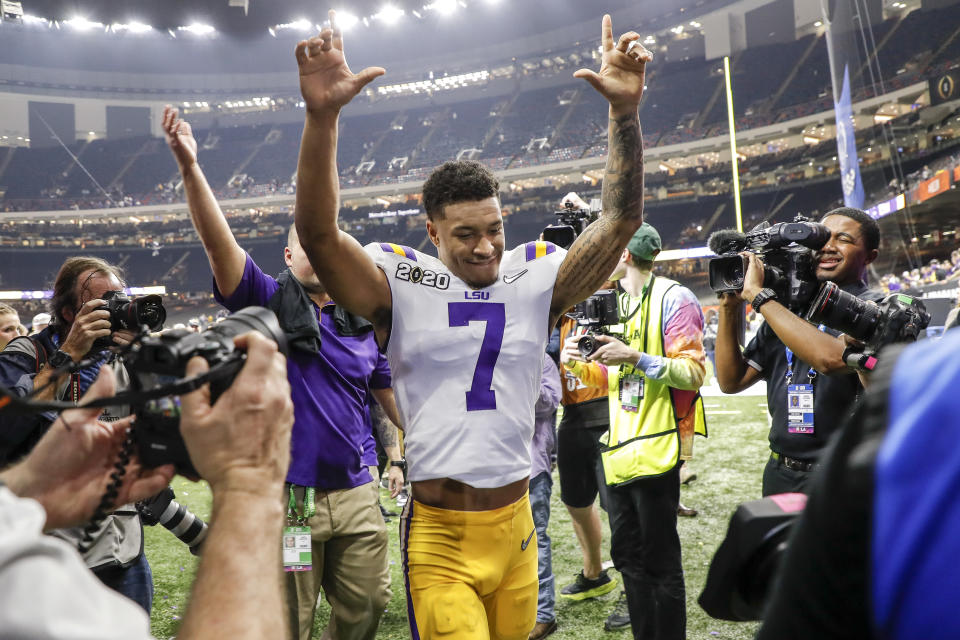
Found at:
[346, 271]
[595, 253]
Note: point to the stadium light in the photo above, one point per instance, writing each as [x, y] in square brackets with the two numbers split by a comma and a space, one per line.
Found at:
[29, 19]
[443, 7]
[198, 29]
[82, 24]
[389, 14]
[301, 24]
[346, 20]
[132, 27]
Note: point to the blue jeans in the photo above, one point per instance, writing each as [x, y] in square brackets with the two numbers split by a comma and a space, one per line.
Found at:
[540, 488]
[135, 582]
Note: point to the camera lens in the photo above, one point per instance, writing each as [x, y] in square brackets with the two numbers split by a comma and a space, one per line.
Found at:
[726, 273]
[844, 312]
[587, 345]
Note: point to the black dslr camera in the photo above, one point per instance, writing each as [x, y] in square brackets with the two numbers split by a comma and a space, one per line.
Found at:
[898, 318]
[788, 250]
[595, 314]
[129, 314]
[573, 219]
[161, 360]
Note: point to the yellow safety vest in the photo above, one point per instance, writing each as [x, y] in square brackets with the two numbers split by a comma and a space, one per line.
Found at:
[646, 442]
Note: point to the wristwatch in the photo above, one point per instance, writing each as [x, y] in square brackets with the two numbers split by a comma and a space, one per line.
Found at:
[402, 463]
[60, 359]
[762, 298]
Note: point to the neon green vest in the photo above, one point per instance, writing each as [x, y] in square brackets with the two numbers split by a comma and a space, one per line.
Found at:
[646, 442]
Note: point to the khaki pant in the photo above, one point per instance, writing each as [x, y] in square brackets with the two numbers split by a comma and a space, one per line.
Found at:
[349, 565]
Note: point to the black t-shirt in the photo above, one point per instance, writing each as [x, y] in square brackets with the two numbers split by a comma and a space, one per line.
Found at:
[586, 415]
[833, 395]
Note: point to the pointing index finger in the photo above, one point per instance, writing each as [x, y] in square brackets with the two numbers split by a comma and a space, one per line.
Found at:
[337, 33]
[606, 32]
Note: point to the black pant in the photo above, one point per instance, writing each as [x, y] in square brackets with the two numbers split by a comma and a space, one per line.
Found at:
[779, 479]
[645, 548]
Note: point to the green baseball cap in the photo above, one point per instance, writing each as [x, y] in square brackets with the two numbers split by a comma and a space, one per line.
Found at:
[645, 243]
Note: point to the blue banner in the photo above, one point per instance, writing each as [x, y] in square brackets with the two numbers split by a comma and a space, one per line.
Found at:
[847, 147]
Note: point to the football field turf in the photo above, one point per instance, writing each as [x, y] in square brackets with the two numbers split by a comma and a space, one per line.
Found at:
[728, 465]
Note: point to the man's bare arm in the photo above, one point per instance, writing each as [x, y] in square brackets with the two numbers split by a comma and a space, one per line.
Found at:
[227, 258]
[595, 253]
[350, 276]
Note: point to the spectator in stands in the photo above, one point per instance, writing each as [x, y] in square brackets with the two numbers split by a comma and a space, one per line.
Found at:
[799, 362]
[9, 324]
[39, 322]
[77, 333]
[542, 450]
[334, 363]
[240, 446]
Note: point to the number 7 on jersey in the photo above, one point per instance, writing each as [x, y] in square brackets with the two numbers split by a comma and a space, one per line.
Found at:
[481, 396]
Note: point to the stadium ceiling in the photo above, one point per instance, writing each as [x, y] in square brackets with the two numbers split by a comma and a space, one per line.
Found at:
[500, 19]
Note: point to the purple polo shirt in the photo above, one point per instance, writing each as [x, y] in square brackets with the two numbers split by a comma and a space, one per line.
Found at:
[332, 442]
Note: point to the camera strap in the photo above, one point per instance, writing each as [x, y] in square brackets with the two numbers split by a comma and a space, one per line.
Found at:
[630, 384]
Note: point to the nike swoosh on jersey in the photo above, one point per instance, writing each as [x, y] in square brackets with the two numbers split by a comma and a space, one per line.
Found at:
[523, 545]
[513, 277]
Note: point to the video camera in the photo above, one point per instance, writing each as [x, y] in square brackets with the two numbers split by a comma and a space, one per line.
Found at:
[129, 314]
[159, 361]
[788, 250]
[742, 571]
[574, 216]
[595, 314]
[898, 318]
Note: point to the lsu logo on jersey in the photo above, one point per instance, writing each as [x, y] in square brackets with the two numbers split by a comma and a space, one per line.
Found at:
[476, 295]
[426, 277]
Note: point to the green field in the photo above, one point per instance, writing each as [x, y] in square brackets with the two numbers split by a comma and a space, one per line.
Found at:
[728, 466]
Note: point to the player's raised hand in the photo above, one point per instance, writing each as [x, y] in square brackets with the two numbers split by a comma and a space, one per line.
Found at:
[622, 69]
[179, 137]
[326, 81]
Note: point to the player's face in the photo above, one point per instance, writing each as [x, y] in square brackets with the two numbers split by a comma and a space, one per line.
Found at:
[469, 240]
[845, 255]
[8, 328]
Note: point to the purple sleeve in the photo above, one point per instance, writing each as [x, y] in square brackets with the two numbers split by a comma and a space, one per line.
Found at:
[255, 288]
[550, 389]
[381, 378]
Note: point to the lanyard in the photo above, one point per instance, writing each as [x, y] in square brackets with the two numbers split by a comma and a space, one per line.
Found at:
[309, 505]
[811, 373]
[645, 303]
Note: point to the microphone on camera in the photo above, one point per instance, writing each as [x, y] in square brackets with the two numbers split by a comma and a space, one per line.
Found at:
[726, 240]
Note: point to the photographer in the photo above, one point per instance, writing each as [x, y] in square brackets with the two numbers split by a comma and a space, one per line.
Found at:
[79, 326]
[240, 446]
[653, 378]
[792, 355]
[334, 365]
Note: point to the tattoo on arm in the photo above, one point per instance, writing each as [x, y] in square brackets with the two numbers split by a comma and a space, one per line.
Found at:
[386, 430]
[622, 193]
[594, 255]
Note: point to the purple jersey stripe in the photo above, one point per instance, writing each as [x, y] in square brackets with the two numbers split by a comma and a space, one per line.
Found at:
[550, 248]
[531, 251]
[405, 520]
[408, 252]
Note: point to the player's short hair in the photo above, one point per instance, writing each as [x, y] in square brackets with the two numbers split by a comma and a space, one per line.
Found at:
[458, 181]
[6, 309]
[868, 226]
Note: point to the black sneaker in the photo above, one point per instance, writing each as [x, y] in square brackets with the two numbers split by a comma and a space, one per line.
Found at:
[583, 588]
[619, 618]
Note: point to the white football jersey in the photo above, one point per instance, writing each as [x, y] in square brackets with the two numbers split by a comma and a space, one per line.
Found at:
[466, 362]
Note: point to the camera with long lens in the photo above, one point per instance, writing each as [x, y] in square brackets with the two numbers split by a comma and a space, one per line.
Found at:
[742, 570]
[163, 509]
[788, 250]
[129, 314]
[594, 315]
[161, 360]
[898, 318]
[573, 217]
